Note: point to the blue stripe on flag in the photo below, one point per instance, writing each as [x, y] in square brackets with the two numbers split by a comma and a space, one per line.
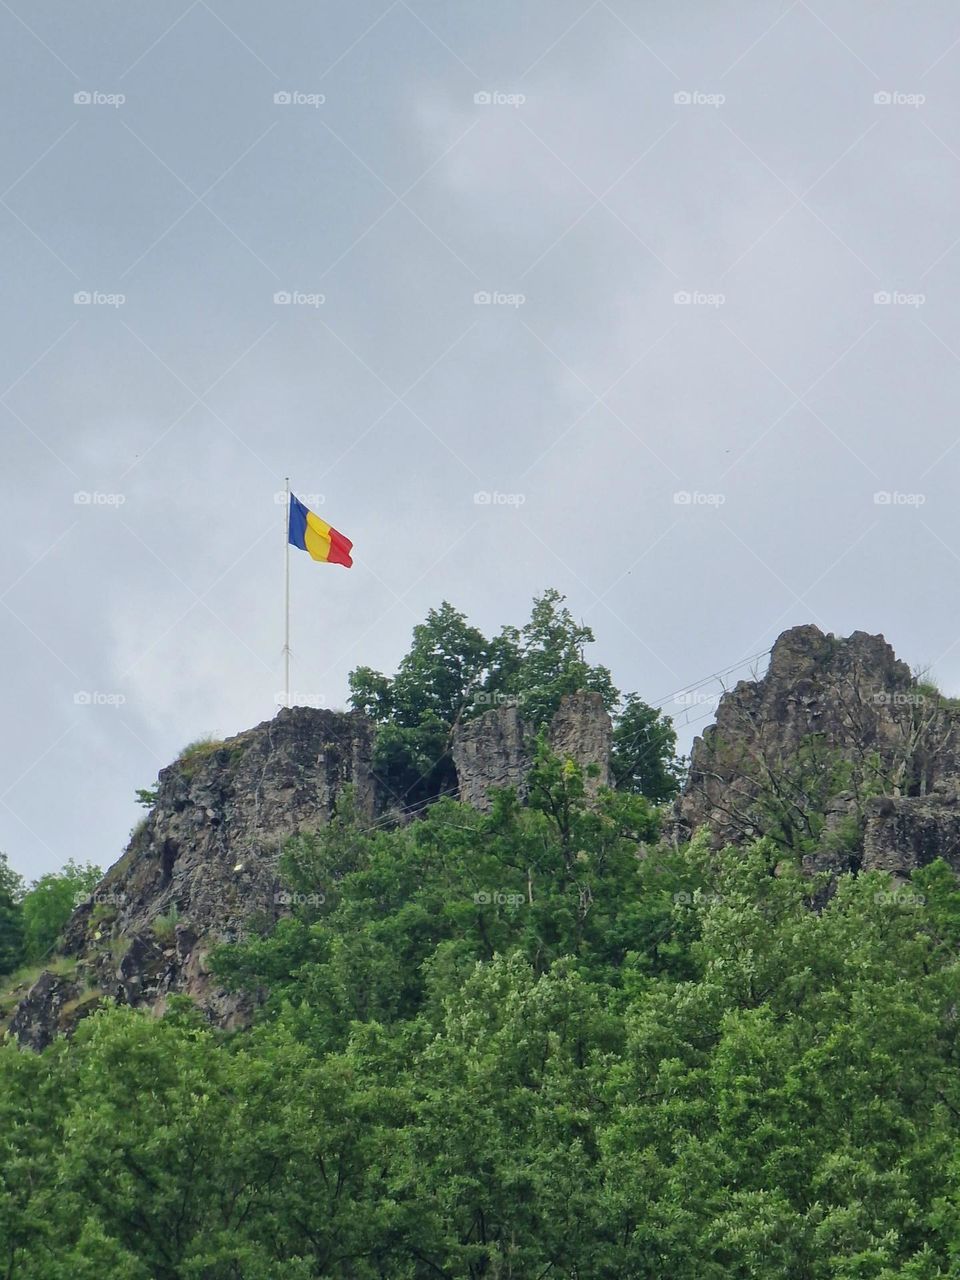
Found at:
[298, 523]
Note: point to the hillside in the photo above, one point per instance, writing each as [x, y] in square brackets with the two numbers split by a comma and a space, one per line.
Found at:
[539, 1026]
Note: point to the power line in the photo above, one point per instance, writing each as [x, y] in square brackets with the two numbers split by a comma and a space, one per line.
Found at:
[688, 688]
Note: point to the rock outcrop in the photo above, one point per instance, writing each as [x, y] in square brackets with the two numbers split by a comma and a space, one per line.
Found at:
[54, 1004]
[825, 704]
[491, 751]
[836, 728]
[496, 749]
[904, 833]
[202, 868]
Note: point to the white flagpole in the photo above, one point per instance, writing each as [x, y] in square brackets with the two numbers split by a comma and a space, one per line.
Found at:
[286, 610]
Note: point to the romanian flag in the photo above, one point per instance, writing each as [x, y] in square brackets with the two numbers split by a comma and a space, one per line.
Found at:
[321, 540]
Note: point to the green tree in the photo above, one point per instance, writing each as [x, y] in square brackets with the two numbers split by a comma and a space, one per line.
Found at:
[453, 673]
[435, 687]
[552, 660]
[644, 756]
[50, 901]
[11, 918]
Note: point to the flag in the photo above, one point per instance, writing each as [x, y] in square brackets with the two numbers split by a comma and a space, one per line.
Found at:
[321, 540]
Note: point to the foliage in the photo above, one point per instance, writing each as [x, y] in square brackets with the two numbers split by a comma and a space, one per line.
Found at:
[11, 918]
[533, 1042]
[452, 673]
[165, 926]
[48, 904]
[644, 752]
[526, 1043]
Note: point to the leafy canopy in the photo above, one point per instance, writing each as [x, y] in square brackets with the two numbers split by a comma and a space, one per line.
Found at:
[453, 673]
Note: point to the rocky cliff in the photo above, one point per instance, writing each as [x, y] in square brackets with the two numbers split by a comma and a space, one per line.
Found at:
[496, 749]
[202, 868]
[203, 865]
[837, 729]
[838, 751]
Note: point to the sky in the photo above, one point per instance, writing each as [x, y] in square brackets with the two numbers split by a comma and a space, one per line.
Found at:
[658, 304]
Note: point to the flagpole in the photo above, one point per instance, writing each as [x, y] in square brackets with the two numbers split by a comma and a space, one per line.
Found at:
[286, 608]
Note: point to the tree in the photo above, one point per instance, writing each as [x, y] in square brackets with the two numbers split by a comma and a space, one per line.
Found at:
[50, 901]
[11, 918]
[435, 687]
[552, 662]
[453, 673]
[644, 756]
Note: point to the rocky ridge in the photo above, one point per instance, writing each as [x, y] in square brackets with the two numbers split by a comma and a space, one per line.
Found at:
[837, 728]
[203, 866]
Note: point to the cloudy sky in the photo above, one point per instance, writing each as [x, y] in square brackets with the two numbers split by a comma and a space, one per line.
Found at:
[676, 287]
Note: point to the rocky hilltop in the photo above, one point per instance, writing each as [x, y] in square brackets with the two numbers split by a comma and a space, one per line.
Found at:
[202, 868]
[838, 752]
[837, 729]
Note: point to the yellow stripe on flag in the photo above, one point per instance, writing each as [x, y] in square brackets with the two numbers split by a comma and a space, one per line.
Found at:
[316, 543]
[319, 526]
